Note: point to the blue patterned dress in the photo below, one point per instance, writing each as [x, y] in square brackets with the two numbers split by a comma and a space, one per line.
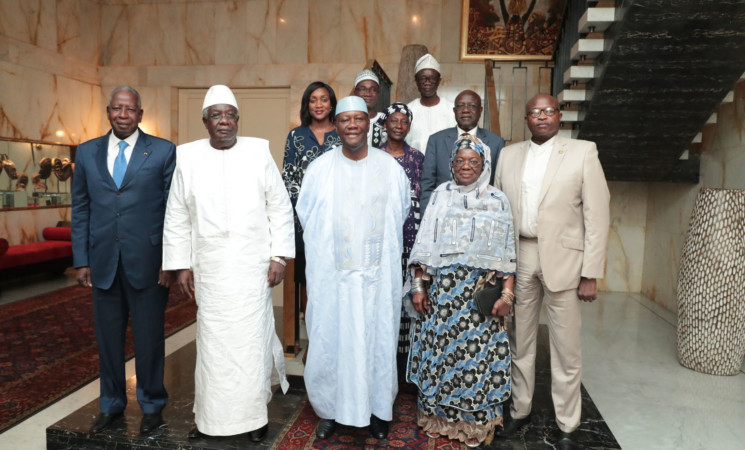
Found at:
[459, 359]
[301, 149]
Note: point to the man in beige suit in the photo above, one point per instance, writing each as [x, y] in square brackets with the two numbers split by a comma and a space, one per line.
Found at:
[559, 199]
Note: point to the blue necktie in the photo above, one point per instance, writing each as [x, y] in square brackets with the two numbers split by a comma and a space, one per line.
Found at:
[120, 165]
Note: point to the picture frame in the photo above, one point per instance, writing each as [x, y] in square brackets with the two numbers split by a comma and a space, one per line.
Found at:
[529, 33]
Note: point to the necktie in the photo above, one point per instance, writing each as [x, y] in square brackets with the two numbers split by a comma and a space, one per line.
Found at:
[120, 165]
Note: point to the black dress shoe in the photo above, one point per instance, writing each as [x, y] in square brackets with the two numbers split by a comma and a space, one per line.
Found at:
[258, 435]
[150, 422]
[514, 426]
[103, 421]
[194, 433]
[566, 442]
[378, 427]
[325, 428]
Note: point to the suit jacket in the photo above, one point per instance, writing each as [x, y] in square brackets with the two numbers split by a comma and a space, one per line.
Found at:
[437, 159]
[127, 223]
[573, 209]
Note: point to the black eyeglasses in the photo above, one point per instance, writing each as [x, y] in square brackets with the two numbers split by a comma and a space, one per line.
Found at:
[536, 112]
[216, 116]
[474, 163]
[365, 90]
[432, 79]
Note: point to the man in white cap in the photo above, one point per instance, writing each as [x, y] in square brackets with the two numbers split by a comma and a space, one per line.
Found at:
[230, 219]
[352, 206]
[367, 86]
[431, 113]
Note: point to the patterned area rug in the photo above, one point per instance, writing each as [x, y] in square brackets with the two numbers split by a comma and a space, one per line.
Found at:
[48, 348]
[300, 431]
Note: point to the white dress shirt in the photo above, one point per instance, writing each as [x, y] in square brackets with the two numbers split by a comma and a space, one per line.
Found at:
[535, 169]
[472, 132]
[114, 148]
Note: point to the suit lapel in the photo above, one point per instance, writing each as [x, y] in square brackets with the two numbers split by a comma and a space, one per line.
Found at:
[140, 153]
[102, 163]
[554, 161]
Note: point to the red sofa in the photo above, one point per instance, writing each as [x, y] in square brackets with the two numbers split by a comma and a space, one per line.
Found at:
[53, 254]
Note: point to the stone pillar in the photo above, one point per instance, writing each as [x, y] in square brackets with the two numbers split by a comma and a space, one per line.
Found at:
[711, 285]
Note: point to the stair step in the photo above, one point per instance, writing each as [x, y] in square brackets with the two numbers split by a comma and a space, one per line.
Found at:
[571, 134]
[587, 49]
[572, 95]
[712, 118]
[572, 116]
[697, 138]
[580, 74]
[596, 19]
[684, 155]
[729, 98]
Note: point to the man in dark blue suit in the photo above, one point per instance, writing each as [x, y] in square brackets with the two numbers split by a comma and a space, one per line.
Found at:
[436, 169]
[119, 196]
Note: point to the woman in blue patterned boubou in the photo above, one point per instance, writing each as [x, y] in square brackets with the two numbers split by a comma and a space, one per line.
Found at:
[460, 358]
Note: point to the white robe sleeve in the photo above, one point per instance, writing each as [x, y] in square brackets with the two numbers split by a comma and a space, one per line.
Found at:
[307, 197]
[278, 211]
[177, 228]
[404, 193]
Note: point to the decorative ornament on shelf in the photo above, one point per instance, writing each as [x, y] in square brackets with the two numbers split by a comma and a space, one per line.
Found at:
[9, 166]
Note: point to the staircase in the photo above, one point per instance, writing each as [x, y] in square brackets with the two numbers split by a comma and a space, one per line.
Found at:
[643, 78]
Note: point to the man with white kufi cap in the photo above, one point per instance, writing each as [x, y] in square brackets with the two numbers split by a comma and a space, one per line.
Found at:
[229, 218]
[352, 206]
[431, 113]
[367, 86]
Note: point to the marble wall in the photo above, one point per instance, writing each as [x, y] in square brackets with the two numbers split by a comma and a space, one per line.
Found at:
[669, 206]
[254, 43]
[60, 58]
[51, 87]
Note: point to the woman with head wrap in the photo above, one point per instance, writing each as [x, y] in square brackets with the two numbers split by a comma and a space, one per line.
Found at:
[460, 358]
[396, 123]
[315, 136]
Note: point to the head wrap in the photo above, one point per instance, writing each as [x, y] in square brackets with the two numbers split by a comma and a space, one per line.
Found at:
[380, 137]
[219, 94]
[426, 62]
[366, 74]
[467, 225]
[351, 103]
[466, 141]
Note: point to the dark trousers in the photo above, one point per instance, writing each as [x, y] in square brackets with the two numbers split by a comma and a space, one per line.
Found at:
[111, 309]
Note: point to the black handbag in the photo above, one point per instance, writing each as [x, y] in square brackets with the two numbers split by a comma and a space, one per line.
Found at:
[486, 298]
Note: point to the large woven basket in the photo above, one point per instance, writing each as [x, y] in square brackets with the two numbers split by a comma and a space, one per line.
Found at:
[711, 285]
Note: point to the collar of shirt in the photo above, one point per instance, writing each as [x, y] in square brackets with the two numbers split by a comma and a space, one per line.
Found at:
[131, 140]
[472, 132]
[544, 148]
[113, 149]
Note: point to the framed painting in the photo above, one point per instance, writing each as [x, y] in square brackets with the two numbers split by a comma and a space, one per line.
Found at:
[510, 30]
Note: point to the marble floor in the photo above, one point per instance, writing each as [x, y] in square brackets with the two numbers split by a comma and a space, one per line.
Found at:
[631, 371]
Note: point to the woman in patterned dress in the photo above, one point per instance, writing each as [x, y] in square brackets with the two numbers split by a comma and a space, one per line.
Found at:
[314, 137]
[396, 121]
[459, 358]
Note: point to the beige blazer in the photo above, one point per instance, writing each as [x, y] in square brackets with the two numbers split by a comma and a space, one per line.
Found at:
[573, 209]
